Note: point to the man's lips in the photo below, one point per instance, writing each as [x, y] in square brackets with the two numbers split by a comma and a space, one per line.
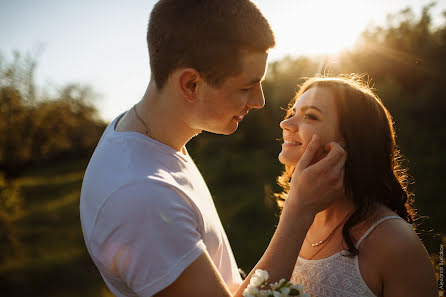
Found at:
[240, 117]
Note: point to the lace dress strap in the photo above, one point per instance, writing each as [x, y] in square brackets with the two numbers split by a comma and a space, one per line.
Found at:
[374, 226]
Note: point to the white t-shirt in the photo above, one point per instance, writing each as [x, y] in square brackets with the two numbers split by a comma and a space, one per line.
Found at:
[147, 214]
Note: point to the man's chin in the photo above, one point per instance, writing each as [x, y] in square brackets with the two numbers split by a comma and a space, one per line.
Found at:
[225, 131]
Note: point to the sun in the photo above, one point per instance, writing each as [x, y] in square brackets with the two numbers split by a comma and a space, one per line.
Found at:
[318, 27]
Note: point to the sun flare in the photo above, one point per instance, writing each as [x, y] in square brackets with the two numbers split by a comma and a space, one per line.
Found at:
[319, 26]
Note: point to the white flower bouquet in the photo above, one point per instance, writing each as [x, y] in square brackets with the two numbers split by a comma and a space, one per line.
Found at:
[258, 287]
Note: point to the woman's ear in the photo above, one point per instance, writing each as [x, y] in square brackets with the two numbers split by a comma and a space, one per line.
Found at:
[188, 80]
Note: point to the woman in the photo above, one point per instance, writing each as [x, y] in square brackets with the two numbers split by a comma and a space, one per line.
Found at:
[363, 244]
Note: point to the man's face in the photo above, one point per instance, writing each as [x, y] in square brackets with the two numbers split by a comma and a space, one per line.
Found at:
[219, 110]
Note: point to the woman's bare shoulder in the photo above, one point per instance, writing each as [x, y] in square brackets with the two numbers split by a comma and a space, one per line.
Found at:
[398, 257]
[390, 233]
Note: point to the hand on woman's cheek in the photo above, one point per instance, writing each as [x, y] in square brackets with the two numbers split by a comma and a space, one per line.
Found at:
[325, 149]
[321, 153]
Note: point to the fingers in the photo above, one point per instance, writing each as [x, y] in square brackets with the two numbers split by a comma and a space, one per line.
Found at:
[318, 184]
[309, 153]
[335, 158]
[339, 166]
[341, 179]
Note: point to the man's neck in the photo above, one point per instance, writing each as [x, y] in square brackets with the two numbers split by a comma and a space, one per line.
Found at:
[162, 116]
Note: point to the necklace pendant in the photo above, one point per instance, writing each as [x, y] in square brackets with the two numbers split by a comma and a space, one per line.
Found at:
[317, 243]
[329, 235]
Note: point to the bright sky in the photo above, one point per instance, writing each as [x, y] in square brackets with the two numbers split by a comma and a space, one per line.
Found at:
[102, 42]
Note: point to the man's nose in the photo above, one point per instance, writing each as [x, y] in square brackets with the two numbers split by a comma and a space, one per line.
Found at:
[257, 99]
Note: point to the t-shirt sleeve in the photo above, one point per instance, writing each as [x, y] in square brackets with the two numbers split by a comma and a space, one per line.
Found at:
[146, 234]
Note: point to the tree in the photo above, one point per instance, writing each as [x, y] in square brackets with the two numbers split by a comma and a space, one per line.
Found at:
[35, 129]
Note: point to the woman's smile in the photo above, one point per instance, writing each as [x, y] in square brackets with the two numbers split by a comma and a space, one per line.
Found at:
[289, 142]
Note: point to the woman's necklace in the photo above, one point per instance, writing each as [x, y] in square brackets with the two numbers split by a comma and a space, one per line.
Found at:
[148, 131]
[324, 240]
[329, 235]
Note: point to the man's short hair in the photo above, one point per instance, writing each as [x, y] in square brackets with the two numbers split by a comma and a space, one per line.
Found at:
[207, 35]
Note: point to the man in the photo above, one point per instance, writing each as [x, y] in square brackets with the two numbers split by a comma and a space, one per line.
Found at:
[149, 222]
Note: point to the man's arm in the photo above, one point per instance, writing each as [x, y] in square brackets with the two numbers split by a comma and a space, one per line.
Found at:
[202, 278]
[312, 190]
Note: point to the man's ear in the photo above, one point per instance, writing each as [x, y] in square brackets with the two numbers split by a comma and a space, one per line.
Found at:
[188, 80]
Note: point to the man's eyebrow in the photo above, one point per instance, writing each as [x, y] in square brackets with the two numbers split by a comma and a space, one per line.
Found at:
[255, 80]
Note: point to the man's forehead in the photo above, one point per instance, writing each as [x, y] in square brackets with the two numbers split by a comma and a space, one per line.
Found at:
[253, 69]
[255, 60]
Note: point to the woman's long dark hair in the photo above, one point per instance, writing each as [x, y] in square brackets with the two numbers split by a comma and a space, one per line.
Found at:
[373, 171]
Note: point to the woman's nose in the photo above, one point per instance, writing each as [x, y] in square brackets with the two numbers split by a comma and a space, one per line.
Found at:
[288, 124]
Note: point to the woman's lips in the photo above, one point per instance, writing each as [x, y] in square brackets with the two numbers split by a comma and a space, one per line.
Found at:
[288, 142]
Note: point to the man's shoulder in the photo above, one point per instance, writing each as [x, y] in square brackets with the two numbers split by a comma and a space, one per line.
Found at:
[126, 182]
[143, 196]
[135, 203]
[122, 158]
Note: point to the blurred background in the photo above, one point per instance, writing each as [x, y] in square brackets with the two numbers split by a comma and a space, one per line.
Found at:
[68, 68]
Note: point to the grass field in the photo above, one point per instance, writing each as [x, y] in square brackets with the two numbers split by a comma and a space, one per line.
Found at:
[42, 249]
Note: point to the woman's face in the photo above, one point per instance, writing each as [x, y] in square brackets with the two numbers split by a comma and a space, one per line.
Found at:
[314, 112]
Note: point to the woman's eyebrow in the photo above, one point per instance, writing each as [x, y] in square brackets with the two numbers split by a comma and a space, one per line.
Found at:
[306, 107]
